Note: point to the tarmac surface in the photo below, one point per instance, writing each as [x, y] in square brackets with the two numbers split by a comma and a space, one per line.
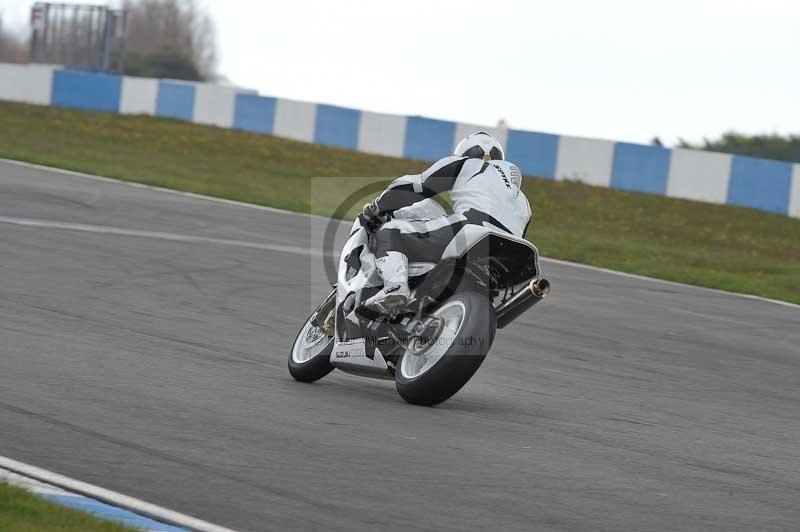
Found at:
[143, 345]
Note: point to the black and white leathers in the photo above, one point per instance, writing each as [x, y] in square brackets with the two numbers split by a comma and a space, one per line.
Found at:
[490, 188]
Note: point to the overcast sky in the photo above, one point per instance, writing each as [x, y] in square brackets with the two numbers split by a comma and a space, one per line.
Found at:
[620, 69]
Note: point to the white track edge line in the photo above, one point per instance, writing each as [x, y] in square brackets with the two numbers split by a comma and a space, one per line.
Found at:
[146, 509]
[670, 283]
[284, 211]
[174, 237]
[134, 184]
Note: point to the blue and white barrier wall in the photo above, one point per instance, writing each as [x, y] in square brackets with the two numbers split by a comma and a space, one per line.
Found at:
[691, 174]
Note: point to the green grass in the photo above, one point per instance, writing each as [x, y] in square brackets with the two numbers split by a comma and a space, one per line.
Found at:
[718, 246]
[20, 511]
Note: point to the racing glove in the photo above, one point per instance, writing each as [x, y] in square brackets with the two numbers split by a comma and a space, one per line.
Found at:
[371, 217]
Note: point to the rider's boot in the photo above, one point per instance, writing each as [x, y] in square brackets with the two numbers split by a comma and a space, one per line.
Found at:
[395, 293]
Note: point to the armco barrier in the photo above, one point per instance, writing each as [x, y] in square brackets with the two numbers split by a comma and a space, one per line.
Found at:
[640, 168]
[760, 183]
[139, 96]
[254, 113]
[794, 198]
[699, 175]
[535, 153]
[84, 90]
[428, 139]
[26, 83]
[176, 100]
[587, 160]
[337, 126]
[214, 105]
[382, 134]
[690, 174]
[295, 120]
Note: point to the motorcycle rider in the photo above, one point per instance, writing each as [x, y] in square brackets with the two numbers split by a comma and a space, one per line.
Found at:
[484, 190]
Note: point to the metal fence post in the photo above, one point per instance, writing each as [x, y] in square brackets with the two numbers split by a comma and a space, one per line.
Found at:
[57, 35]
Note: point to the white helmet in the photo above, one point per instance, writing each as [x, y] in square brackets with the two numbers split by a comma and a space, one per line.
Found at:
[480, 145]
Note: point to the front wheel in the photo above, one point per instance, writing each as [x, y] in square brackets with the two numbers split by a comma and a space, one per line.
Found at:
[430, 374]
[311, 351]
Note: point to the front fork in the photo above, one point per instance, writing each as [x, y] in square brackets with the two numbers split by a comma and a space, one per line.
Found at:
[324, 316]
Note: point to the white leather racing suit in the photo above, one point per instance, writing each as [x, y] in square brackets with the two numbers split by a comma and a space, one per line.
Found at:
[482, 192]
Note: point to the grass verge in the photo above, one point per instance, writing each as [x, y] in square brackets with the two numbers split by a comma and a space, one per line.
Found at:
[21, 511]
[718, 246]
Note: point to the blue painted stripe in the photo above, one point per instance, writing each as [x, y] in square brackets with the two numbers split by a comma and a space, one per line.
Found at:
[86, 90]
[428, 139]
[760, 183]
[337, 126]
[641, 168]
[175, 100]
[110, 513]
[255, 113]
[534, 153]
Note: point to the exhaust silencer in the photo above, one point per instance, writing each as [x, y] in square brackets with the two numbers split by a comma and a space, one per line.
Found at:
[519, 303]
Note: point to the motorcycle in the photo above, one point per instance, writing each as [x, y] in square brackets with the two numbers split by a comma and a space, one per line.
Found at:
[486, 278]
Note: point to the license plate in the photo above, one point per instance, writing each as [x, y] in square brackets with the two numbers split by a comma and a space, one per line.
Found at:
[353, 349]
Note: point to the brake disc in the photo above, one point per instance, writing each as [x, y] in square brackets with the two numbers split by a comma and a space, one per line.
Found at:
[425, 336]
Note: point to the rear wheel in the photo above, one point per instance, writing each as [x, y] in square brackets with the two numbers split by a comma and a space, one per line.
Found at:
[309, 359]
[432, 370]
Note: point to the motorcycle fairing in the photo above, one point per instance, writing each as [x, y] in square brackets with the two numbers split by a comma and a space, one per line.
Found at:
[500, 258]
[353, 356]
[513, 260]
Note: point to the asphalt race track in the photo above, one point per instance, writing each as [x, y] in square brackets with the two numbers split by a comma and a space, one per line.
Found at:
[143, 345]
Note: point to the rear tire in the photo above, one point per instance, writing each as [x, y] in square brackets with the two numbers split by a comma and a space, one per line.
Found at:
[309, 359]
[431, 381]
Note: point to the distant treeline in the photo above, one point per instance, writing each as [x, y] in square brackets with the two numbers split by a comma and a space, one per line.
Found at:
[764, 146]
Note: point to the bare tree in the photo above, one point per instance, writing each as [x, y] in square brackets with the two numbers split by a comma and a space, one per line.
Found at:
[170, 38]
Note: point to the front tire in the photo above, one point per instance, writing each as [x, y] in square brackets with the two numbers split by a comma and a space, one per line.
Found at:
[309, 359]
[434, 376]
